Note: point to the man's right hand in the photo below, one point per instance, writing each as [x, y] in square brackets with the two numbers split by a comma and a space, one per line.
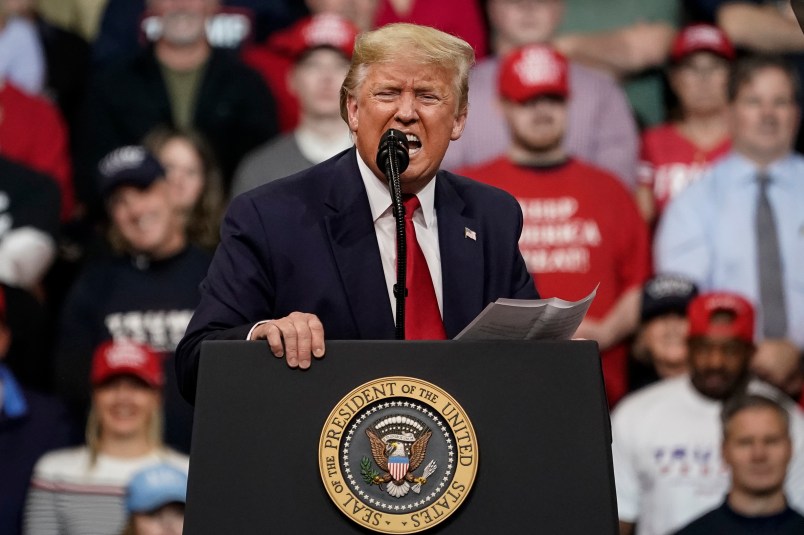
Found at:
[295, 337]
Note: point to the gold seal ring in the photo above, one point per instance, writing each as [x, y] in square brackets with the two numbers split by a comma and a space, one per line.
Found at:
[398, 455]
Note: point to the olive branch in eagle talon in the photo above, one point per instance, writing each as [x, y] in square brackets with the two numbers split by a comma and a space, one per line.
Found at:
[382, 452]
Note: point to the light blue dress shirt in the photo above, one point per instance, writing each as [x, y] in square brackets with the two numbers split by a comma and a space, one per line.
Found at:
[707, 233]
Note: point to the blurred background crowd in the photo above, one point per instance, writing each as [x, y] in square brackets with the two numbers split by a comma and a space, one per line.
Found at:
[126, 126]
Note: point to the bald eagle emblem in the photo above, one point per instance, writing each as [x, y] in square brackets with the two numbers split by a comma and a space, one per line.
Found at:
[398, 445]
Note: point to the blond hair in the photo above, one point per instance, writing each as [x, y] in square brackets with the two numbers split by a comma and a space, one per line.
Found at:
[422, 44]
[93, 432]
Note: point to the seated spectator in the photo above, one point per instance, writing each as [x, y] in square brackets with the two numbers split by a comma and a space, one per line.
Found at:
[29, 221]
[666, 437]
[81, 490]
[155, 500]
[322, 47]
[631, 40]
[660, 346]
[22, 60]
[738, 227]
[601, 128]
[182, 82]
[274, 58]
[779, 362]
[581, 226]
[765, 27]
[33, 134]
[462, 18]
[757, 447]
[31, 424]
[677, 153]
[147, 293]
[120, 35]
[196, 186]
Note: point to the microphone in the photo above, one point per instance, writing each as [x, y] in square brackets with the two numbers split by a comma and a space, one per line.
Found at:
[393, 149]
[393, 159]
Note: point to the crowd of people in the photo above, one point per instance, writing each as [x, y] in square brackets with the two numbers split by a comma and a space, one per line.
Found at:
[653, 148]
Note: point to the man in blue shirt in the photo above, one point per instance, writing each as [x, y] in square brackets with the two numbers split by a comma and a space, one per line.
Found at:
[712, 233]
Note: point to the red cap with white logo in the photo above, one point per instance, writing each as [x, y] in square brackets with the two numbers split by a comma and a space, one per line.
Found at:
[701, 38]
[112, 359]
[323, 30]
[533, 71]
[740, 324]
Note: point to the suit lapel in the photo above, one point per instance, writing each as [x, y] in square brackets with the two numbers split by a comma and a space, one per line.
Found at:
[354, 246]
[461, 258]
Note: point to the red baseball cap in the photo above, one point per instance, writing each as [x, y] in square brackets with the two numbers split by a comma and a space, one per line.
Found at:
[705, 306]
[533, 71]
[114, 358]
[323, 30]
[701, 37]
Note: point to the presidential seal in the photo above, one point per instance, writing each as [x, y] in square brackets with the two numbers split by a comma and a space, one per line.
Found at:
[398, 455]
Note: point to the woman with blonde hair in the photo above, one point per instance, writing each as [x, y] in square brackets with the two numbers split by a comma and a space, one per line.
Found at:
[81, 490]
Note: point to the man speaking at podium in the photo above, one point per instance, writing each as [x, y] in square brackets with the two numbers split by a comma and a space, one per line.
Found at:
[314, 254]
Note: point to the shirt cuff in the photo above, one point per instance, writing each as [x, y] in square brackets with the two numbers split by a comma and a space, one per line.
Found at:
[248, 336]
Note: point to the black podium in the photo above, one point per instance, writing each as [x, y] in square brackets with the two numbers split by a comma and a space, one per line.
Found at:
[538, 409]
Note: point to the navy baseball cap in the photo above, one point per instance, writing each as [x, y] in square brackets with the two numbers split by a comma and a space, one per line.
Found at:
[667, 294]
[154, 487]
[132, 165]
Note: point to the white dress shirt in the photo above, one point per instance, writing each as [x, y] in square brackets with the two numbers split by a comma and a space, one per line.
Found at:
[424, 221]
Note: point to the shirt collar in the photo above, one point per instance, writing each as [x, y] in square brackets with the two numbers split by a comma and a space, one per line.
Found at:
[746, 170]
[379, 195]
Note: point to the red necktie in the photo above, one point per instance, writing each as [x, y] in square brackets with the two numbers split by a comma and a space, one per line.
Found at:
[422, 317]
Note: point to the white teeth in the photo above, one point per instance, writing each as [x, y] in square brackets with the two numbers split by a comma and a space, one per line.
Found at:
[415, 144]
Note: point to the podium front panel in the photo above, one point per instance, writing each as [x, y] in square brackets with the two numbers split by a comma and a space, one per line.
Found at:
[538, 411]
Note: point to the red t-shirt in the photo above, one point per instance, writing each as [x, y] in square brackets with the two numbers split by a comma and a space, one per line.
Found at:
[33, 134]
[581, 227]
[669, 162]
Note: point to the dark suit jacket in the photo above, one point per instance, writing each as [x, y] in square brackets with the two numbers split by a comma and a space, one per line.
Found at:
[308, 243]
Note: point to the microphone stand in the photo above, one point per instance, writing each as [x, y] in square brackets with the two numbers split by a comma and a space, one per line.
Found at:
[400, 288]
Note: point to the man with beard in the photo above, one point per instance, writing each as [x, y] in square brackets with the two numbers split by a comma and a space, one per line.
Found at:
[181, 82]
[741, 227]
[666, 438]
[582, 227]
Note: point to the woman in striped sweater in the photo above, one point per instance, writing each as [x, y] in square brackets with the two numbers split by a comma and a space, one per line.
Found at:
[80, 491]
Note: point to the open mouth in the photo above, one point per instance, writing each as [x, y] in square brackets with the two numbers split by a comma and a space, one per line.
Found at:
[414, 144]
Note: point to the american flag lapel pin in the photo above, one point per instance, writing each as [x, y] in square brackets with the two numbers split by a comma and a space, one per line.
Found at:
[469, 233]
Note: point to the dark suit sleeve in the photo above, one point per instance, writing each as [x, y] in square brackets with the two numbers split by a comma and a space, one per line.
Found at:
[236, 293]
